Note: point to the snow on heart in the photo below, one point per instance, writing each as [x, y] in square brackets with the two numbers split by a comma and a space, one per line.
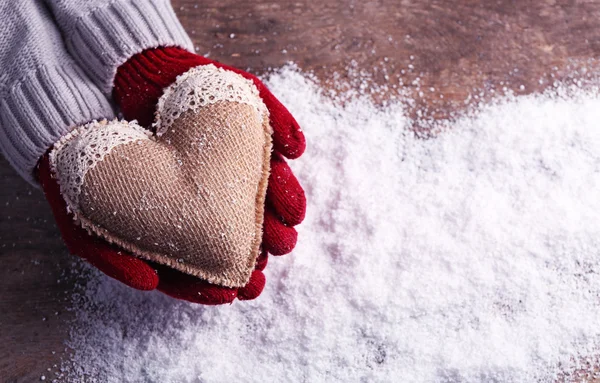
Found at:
[472, 256]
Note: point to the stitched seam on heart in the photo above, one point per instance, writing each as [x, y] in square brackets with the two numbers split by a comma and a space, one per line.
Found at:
[201, 86]
[80, 150]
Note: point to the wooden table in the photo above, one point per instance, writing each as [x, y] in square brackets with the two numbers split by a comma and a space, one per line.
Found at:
[439, 52]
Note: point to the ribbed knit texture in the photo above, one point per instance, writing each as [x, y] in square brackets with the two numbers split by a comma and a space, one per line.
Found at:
[43, 93]
[58, 57]
[103, 34]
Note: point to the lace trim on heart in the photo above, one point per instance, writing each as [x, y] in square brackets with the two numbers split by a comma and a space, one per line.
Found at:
[83, 148]
[202, 86]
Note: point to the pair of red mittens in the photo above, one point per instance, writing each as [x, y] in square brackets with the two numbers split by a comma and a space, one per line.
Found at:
[139, 84]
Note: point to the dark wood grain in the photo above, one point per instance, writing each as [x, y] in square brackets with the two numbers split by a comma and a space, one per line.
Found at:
[457, 48]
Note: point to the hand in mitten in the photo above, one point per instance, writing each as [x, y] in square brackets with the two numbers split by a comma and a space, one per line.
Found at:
[227, 270]
[139, 84]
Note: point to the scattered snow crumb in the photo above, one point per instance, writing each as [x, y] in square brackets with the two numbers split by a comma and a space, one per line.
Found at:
[468, 257]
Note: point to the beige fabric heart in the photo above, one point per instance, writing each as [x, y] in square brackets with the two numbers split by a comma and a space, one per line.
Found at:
[191, 196]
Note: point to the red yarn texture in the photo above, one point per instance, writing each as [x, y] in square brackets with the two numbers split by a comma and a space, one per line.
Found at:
[138, 86]
[285, 195]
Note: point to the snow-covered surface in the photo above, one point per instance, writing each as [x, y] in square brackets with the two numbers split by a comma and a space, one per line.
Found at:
[469, 257]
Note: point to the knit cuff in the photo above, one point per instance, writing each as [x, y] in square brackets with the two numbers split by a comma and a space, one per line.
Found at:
[105, 37]
[41, 107]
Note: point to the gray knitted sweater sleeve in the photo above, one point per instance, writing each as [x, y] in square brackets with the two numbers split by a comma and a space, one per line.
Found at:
[103, 34]
[58, 59]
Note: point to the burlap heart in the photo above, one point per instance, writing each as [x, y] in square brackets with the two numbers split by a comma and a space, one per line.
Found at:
[191, 196]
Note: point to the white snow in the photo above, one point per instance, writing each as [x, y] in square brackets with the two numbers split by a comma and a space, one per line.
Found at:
[469, 257]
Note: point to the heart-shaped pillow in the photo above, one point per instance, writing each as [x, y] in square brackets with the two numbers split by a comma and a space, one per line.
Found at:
[190, 196]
